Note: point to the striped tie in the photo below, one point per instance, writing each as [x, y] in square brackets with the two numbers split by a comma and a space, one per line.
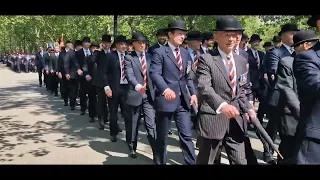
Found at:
[232, 75]
[123, 74]
[195, 59]
[179, 60]
[144, 68]
[257, 58]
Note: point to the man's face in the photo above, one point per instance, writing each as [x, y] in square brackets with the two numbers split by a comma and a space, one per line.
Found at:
[177, 36]
[40, 48]
[194, 44]
[267, 48]
[57, 49]
[287, 37]
[255, 44]
[106, 45]
[86, 45]
[238, 37]
[162, 39]
[139, 46]
[130, 48]
[69, 46]
[93, 48]
[121, 46]
[277, 44]
[78, 47]
[243, 43]
[209, 42]
[226, 39]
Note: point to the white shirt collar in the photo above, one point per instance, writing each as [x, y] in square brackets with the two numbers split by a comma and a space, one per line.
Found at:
[119, 53]
[288, 48]
[172, 47]
[139, 54]
[223, 54]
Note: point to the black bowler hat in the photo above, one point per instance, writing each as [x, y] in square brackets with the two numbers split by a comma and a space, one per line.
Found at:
[162, 32]
[77, 43]
[304, 36]
[288, 27]
[312, 21]
[244, 37]
[194, 36]
[138, 36]
[86, 39]
[120, 39]
[276, 39]
[207, 35]
[67, 42]
[94, 44]
[228, 23]
[267, 44]
[255, 37]
[177, 24]
[106, 38]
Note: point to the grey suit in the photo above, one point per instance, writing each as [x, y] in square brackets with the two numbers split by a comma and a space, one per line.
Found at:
[215, 129]
[139, 102]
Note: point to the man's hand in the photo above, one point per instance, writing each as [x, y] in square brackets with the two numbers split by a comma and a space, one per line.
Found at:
[170, 95]
[43, 70]
[79, 72]
[142, 89]
[88, 77]
[272, 76]
[230, 111]
[68, 76]
[51, 71]
[47, 72]
[57, 73]
[194, 100]
[108, 93]
[60, 75]
[265, 76]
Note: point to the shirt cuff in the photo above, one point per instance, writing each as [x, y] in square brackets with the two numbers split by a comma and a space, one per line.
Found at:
[106, 88]
[219, 108]
[137, 87]
[164, 91]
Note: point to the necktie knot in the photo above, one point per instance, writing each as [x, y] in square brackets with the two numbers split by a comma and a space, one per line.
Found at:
[176, 49]
[228, 57]
[194, 52]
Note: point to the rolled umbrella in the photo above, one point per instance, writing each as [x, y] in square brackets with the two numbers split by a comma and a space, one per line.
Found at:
[260, 128]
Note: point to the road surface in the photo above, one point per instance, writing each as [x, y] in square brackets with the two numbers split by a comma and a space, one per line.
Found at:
[35, 128]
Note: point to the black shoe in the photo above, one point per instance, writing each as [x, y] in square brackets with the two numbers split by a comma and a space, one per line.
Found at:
[269, 160]
[55, 95]
[91, 120]
[82, 113]
[170, 132]
[101, 124]
[133, 154]
[119, 129]
[65, 104]
[72, 108]
[40, 85]
[113, 139]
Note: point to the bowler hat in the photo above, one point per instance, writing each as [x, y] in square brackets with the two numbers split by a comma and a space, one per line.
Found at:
[255, 37]
[86, 39]
[94, 44]
[312, 21]
[177, 24]
[267, 44]
[304, 36]
[138, 36]
[120, 38]
[288, 27]
[244, 37]
[162, 32]
[276, 39]
[228, 23]
[68, 41]
[207, 35]
[106, 38]
[194, 35]
[77, 43]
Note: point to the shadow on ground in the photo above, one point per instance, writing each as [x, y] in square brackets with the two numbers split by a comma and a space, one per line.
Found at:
[77, 130]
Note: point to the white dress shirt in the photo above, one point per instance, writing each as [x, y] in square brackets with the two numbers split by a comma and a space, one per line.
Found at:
[138, 86]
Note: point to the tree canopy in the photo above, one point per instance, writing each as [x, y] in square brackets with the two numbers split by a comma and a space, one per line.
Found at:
[27, 32]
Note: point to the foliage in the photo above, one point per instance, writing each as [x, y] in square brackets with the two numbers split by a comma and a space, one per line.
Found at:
[27, 32]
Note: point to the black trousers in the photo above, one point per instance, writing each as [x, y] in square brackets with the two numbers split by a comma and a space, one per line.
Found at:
[86, 88]
[40, 74]
[73, 89]
[286, 149]
[102, 106]
[114, 103]
[272, 129]
[53, 81]
[64, 89]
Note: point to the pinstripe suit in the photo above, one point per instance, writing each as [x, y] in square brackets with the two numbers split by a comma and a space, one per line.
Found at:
[214, 129]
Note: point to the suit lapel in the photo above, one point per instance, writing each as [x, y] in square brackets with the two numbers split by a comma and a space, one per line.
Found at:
[171, 56]
[219, 63]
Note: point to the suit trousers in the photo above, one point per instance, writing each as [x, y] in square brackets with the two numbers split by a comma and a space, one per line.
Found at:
[233, 141]
[272, 129]
[114, 103]
[181, 116]
[53, 80]
[40, 74]
[308, 151]
[286, 148]
[86, 88]
[64, 89]
[102, 106]
[134, 114]
[73, 85]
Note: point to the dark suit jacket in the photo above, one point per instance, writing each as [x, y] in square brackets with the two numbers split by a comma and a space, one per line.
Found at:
[61, 62]
[70, 64]
[306, 67]
[46, 58]
[288, 100]
[40, 60]
[102, 61]
[85, 63]
[193, 72]
[215, 88]
[135, 76]
[53, 62]
[165, 73]
[255, 74]
[274, 57]
[153, 47]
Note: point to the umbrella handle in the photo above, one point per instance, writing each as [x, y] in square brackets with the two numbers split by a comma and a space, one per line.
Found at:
[280, 155]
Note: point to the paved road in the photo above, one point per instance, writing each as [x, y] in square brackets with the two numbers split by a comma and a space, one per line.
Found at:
[35, 128]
